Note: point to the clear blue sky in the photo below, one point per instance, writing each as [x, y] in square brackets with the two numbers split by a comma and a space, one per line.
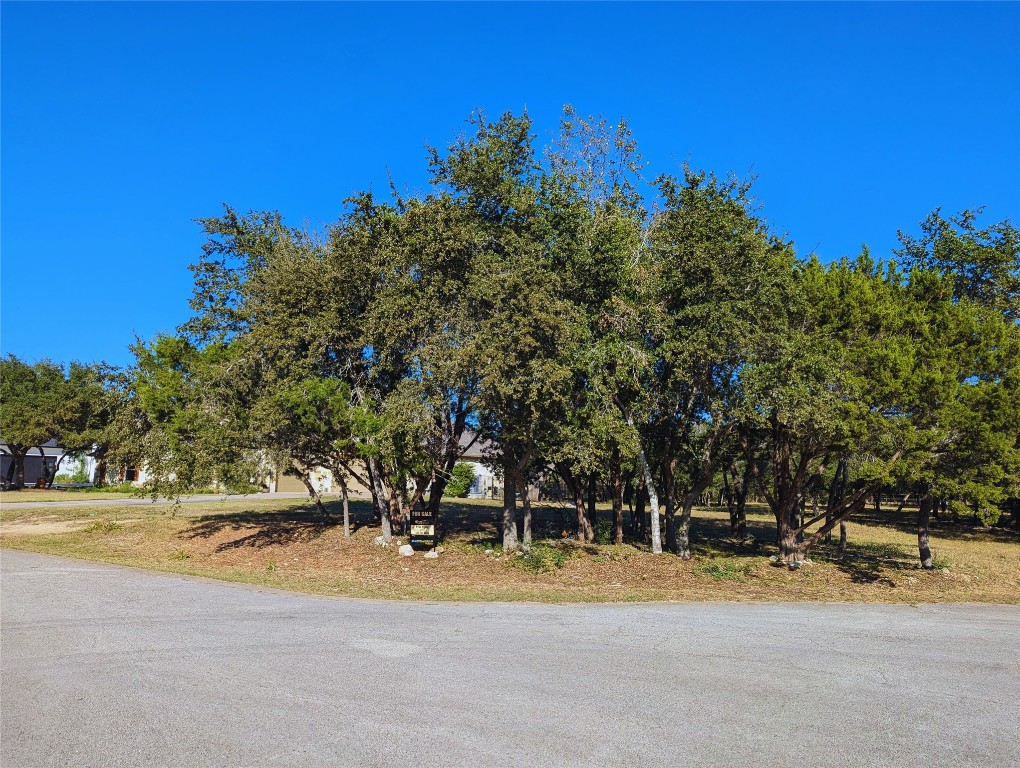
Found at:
[123, 122]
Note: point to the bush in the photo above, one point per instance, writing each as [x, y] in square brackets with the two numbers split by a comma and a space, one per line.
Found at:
[461, 479]
[725, 570]
[124, 487]
[102, 526]
[541, 559]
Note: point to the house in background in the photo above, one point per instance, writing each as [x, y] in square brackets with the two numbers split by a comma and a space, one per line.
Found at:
[37, 465]
[487, 484]
[280, 482]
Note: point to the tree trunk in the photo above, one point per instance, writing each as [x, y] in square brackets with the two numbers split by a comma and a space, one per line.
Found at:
[526, 503]
[436, 491]
[344, 495]
[738, 515]
[398, 521]
[683, 537]
[585, 534]
[638, 520]
[593, 514]
[923, 523]
[510, 542]
[653, 500]
[19, 468]
[837, 490]
[397, 517]
[740, 529]
[314, 493]
[790, 548]
[667, 493]
[683, 534]
[617, 480]
[50, 474]
[379, 497]
[731, 501]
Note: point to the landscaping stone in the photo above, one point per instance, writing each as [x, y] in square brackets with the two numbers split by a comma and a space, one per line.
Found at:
[406, 550]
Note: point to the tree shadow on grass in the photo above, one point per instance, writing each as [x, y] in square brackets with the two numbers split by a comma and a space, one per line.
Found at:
[482, 521]
[711, 537]
[963, 529]
[867, 562]
[298, 524]
[863, 562]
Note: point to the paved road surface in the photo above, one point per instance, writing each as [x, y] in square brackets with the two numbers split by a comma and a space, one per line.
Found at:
[105, 666]
[136, 501]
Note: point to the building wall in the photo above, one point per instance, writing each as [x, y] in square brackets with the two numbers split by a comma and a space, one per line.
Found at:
[486, 484]
[323, 481]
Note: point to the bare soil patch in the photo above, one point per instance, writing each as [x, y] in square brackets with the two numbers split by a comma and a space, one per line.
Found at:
[40, 527]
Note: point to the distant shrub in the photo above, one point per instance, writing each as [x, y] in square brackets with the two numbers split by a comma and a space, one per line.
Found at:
[461, 479]
[124, 487]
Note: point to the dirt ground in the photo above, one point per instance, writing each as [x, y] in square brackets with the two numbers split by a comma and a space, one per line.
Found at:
[285, 544]
[40, 526]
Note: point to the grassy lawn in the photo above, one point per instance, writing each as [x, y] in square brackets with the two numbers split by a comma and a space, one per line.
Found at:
[282, 543]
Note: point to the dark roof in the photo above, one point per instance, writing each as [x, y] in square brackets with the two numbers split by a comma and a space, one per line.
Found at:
[477, 448]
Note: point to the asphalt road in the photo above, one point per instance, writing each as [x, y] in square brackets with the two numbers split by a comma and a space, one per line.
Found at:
[107, 666]
[138, 501]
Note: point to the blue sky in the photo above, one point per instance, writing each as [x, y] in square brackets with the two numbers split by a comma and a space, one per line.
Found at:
[123, 122]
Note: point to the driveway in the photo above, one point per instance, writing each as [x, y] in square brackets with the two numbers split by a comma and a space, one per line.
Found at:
[105, 666]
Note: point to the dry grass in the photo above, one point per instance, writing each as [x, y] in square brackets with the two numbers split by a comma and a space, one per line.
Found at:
[59, 494]
[283, 544]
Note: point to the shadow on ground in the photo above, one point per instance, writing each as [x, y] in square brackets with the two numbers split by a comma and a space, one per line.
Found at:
[299, 523]
[479, 523]
[964, 529]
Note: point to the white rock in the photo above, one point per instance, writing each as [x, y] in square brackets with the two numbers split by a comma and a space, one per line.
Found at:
[406, 550]
[488, 551]
[431, 554]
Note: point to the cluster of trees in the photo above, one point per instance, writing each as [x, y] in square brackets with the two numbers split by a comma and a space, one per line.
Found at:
[653, 338]
[82, 407]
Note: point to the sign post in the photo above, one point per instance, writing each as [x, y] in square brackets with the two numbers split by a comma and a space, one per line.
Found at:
[424, 528]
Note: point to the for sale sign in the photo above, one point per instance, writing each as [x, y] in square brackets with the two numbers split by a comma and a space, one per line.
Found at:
[424, 528]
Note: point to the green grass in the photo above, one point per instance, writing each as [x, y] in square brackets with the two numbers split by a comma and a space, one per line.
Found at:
[102, 526]
[541, 558]
[725, 569]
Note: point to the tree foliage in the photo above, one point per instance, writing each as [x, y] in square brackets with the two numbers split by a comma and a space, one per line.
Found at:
[655, 339]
